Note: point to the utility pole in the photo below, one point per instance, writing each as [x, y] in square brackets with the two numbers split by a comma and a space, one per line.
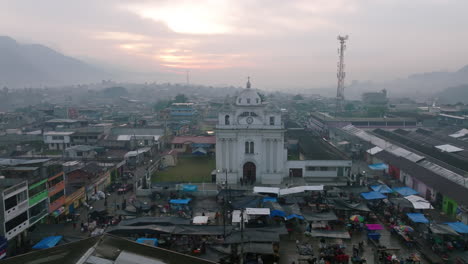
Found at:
[242, 237]
[341, 75]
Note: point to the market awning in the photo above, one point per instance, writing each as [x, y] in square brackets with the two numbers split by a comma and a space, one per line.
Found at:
[200, 220]
[378, 166]
[405, 191]
[236, 216]
[330, 234]
[373, 227]
[440, 229]
[401, 202]
[48, 242]
[189, 188]
[328, 216]
[270, 199]
[272, 190]
[148, 241]
[419, 202]
[374, 150]
[381, 188]
[373, 195]
[257, 211]
[342, 205]
[180, 201]
[458, 227]
[417, 218]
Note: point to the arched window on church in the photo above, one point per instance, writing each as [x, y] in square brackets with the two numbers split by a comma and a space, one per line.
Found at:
[247, 147]
[256, 99]
[240, 100]
[226, 120]
[251, 147]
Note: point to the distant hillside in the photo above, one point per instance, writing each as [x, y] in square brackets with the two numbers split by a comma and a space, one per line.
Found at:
[453, 95]
[423, 85]
[33, 65]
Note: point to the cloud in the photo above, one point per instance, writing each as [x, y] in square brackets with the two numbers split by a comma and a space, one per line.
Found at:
[124, 36]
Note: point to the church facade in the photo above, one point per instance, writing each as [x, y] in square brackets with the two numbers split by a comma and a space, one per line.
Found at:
[250, 145]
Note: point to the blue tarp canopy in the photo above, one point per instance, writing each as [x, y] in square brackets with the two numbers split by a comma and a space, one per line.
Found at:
[189, 188]
[417, 218]
[289, 217]
[275, 209]
[180, 201]
[381, 188]
[373, 195]
[378, 166]
[199, 152]
[47, 242]
[270, 199]
[148, 241]
[405, 191]
[458, 227]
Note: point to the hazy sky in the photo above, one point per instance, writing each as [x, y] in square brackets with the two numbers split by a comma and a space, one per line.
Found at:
[280, 43]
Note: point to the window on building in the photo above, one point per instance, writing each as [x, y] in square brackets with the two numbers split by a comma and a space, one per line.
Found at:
[248, 100]
[253, 114]
[244, 114]
[257, 100]
[310, 168]
[79, 154]
[10, 225]
[240, 100]
[323, 168]
[178, 146]
[272, 120]
[249, 147]
[226, 120]
[56, 196]
[55, 181]
[10, 202]
[57, 137]
[146, 142]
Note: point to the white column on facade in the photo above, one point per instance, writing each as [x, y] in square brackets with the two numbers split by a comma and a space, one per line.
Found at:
[267, 155]
[275, 154]
[223, 149]
[227, 153]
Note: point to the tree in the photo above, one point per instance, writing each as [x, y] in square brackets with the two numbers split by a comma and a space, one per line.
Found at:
[298, 97]
[180, 98]
[160, 105]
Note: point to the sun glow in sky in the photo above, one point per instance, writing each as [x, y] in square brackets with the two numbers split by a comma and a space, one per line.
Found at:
[275, 40]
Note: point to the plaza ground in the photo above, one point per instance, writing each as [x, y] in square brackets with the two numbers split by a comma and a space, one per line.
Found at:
[188, 169]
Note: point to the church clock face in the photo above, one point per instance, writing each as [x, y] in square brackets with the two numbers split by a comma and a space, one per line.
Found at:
[249, 120]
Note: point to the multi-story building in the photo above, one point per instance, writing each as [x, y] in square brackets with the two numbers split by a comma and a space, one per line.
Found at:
[57, 140]
[56, 189]
[14, 207]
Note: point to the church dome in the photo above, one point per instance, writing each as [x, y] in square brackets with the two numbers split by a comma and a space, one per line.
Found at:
[248, 97]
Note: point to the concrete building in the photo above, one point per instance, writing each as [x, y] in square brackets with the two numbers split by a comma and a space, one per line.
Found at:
[194, 144]
[57, 140]
[81, 152]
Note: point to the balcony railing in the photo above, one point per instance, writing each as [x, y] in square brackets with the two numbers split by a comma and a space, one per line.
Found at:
[38, 197]
[35, 218]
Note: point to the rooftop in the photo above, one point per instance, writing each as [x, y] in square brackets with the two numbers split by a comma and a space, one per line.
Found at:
[57, 133]
[59, 120]
[194, 139]
[313, 147]
[104, 249]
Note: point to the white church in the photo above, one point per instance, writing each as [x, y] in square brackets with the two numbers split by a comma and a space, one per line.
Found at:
[250, 141]
[250, 147]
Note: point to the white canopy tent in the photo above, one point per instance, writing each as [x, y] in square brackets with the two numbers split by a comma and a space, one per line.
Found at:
[273, 190]
[257, 211]
[419, 202]
[449, 148]
[200, 220]
[300, 189]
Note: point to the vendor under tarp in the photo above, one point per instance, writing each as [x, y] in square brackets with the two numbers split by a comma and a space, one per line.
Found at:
[440, 229]
[48, 242]
[381, 188]
[378, 166]
[417, 218]
[405, 191]
[373, 196]
[327, 216]
[330, 234]
[458, 227]
[342, 205]
[276, 210]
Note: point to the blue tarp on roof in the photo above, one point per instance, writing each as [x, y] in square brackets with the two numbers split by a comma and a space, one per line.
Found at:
[381, 188]
[47, 242]
[148, 241]
[189, 188]
[458, 227]
[405, 191]
[417, 218]
[270, 199]
[180, 201]
[378, 166]
[373, 195]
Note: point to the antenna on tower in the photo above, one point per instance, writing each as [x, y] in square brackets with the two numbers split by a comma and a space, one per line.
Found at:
[341, 74]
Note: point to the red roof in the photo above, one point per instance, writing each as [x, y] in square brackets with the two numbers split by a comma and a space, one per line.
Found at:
[194, 139]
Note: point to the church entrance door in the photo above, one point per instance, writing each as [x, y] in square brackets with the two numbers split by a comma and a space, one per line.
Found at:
[249, 173]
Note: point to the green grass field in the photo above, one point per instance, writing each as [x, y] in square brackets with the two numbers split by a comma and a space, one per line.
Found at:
[188, 169]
